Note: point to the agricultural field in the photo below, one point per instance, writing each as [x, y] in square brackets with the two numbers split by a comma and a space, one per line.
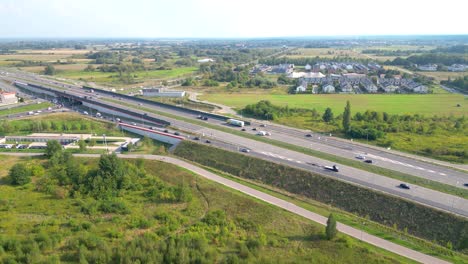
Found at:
[212, 223]
[59, 68]
[428, 104]
[324, 53]
[443, 76]
[109, 77]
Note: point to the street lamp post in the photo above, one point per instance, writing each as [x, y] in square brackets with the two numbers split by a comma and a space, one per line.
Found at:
[105, 142]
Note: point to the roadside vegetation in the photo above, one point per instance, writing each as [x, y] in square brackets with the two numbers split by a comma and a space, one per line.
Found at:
[448, 230]
[437, 137]
[111, 210]
[58, 123]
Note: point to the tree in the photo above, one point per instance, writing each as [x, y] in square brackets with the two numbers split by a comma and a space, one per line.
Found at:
[328, 115]
[53, 147]
[347, 117]
[82, 145]
[49, 70]
[19, 174]
[330, 230]
[89, 68]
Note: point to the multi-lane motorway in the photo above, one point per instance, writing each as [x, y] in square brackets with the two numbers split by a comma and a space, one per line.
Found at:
[325, 144]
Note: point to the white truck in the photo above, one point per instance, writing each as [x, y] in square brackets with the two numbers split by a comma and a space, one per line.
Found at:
[235, 122]
[263, 133]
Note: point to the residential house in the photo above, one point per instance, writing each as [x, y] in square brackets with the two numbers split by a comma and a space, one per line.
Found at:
[457, 68]
[283, 69]
[390, 88]
[346, 87]
[428, 67]
[302, 87]
[328, 88]
[8, 98]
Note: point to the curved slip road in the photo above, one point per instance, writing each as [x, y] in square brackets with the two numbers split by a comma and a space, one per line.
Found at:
[358, 234]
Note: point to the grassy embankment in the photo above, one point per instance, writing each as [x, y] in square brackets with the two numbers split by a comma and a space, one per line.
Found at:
[45, 228]
[387, 210]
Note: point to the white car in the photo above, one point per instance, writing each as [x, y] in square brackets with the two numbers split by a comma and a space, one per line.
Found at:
[361, 157]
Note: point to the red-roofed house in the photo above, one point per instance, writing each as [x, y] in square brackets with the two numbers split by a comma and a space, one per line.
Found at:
[8, 98]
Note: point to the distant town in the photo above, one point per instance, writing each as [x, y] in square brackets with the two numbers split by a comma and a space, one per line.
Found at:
[343, 77]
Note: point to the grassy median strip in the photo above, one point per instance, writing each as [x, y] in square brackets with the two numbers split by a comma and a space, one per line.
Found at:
[16, 109]
[437, 186]
[364, 224]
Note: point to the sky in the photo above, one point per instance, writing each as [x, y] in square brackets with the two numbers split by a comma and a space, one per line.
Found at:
[229, 18]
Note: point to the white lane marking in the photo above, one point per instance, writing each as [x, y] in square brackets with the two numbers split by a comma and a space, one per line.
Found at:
[400, 163]
[280, 157]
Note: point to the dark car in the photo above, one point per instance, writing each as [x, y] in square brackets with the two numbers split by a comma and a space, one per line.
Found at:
[177, 133]
[263, 125]
[166, 131]
[404, 186]
[196, 138]
[465, 184]
[246, 150]
[205, 118]
[368, 161]
[243, 129]
[254, 129]
[208, 141]
[308, 135]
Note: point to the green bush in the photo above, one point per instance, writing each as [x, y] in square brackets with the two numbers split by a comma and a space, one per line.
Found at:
[19, 174]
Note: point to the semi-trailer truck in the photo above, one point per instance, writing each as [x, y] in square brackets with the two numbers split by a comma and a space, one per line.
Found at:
[235, 122]
[332, 168]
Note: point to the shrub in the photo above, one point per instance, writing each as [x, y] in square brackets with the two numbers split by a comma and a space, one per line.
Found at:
[19, 174]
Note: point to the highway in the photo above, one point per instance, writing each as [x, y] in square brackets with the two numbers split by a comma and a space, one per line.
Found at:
[348, 230]
[269, 152]
[341, 148]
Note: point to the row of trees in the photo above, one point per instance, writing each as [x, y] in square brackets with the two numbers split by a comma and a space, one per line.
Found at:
[429, 58]
[460, 83]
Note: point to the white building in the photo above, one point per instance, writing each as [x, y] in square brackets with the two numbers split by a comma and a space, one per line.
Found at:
[428, 67]
[390, 88]
[301, 88]
[328, 88]
[457, 68]
[205, 60]
[8, 98]
[161, 92]
[370, 87]
[308, 67]
[346, 88]
[419, 88]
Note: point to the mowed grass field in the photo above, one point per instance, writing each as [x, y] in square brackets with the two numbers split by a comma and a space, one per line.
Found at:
[429, 104]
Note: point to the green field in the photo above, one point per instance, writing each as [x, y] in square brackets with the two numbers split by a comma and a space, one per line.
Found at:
[217, 225]
[98, 76]
[429, 104]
